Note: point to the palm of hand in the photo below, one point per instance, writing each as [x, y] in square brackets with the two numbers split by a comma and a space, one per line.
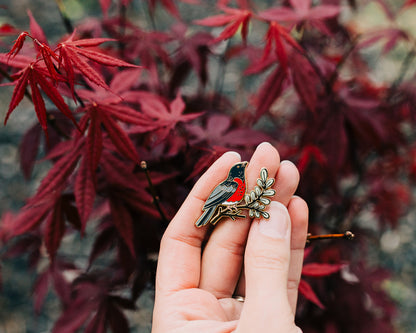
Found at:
[202, 310]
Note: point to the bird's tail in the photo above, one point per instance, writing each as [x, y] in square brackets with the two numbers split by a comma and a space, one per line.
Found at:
[205, 217]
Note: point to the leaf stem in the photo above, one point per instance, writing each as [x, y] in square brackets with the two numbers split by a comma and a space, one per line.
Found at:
[340, 63]
[156, 199]
[346, 235]
[402, 72]
[315, 67]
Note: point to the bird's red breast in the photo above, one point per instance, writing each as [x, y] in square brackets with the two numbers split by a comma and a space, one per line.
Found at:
[239, 192]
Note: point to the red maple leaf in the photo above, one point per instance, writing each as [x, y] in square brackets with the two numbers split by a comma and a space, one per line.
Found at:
[105, 5]
[276, 34]
[233, 20]
[169, 5]
[148, 47]
[84, 190]
[409, 3]
[52, 276]
[95, 304]
[7, 29]
[219, 132]
[73, 53]
[315, 270]
[192, 54]
[157, 114]
[302, 11]
[305, 80]
[308, 154]
[272, 88]
[105, 115]
[41, 45]
[36, 77]
[18, 44]
[36, 31]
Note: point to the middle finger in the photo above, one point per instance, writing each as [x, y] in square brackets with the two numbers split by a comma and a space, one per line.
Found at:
[223, 255]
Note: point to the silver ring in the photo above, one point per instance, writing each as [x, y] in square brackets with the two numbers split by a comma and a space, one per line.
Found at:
[239, 298]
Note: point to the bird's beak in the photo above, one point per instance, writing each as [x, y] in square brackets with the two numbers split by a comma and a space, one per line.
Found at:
[245, 163]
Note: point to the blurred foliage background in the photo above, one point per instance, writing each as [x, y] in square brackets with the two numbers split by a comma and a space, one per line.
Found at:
[396, 249]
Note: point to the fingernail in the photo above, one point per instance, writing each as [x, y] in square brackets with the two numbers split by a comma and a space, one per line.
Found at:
[232, 153]
[277, 225]
[265, 143]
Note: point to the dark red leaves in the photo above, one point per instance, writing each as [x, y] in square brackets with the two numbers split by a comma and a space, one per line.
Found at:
[119, 138]
[157, 114]
[305, 80]
[94, 141]
[233, 19]
[18, 44]
[73, 54]
[54, 228]
[28, 149]
[7, 29]
[84, 189]
[105, 5]
[18, 92]
[270, 91]
[57, 177]
[308, 88]
[40, 290]
[277, 35]
[169, 5]
[94, 304]
[306, 290]
[308, 155]
[318, 270]
[35, 77]
[36, 31]
[302, 11]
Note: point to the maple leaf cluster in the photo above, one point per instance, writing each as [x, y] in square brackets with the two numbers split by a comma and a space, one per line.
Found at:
[129, 115]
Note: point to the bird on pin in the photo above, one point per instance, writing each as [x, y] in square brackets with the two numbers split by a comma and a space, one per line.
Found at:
[228, 193]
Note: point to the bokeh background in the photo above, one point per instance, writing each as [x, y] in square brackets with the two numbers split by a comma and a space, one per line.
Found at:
[391, 248]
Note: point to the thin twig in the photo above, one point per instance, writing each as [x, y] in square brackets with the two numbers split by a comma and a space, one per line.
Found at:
[340, 63]
[306, 54]
[346, 235]
[402, 72]
[156, 199]
[122, 32]
[64, 15]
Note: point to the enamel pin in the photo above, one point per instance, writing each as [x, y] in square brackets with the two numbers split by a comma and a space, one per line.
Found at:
[229, 197]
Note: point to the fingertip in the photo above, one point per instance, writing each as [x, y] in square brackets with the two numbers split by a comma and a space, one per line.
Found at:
[232, 154]
[292, 168]
[299, 204]
[268, 148]
[299, 214]
[278, 225]
[264, 144]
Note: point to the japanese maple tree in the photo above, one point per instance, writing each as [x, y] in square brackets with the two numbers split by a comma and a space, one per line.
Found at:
[130, 108]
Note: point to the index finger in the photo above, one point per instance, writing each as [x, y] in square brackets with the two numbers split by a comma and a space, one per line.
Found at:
[179, 264]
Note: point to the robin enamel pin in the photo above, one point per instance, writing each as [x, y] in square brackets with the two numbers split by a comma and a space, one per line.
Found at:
[229, 197]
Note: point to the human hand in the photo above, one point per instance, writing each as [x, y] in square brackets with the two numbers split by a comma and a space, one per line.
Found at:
[261, 260]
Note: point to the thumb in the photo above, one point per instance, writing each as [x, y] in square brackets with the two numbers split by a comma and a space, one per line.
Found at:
[267, 260]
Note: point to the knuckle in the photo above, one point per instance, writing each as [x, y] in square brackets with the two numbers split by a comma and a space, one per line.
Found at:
[292, 284]
[232, 247]
[265, 259]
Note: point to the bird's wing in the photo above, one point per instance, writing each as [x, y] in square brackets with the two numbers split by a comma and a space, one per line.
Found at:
[221, 193]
